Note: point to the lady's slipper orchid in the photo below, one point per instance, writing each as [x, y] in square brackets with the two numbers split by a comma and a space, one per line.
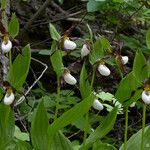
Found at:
[9, 98]
[69, 45]
[97, 105]
[103, 70]
[69, 79]
[146, 97]
[6, 44]
[85, 50]
[125, 59]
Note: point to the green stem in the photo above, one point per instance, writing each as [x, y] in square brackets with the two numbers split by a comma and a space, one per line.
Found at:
[93, 77]
[126, 128]
[143, 126]
[87, 114]
[10, 59]
[58, 97]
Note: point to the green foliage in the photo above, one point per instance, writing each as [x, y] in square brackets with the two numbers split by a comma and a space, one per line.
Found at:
[61, 142]
[127, 85]
[94, 5]
[39, 128]
[148, 39]
[135, 141]
[85, 88]
[70, 116]
[7, 126]
[100, 49]
[19, 70]
[48, 132]
[133, 80]
[56, 59]
[140, 65]
[13, 27]
[53, 32]
[105, 127]
[16, 145]
[21, 135]
[103, 146]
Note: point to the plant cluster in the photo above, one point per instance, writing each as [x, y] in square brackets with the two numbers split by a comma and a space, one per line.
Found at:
[48, 123]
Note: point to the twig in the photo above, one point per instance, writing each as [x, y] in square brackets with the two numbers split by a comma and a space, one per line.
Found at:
[36, 15]
[22, 98]
[58, 8]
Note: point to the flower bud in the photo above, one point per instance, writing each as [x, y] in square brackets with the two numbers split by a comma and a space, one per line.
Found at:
[103, 70]
[133, 104]
[85, 50]
[146, 97]
[9, 98]
[125, 59]
[69, 79]
[6, 47]
[97, 105]
[69, 45]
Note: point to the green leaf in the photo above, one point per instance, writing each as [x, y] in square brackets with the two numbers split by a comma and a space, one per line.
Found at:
[7, 124]
[19, 70]
[99, 51]
[93, 5]
[140, 65]
[56, 59]
[13, 27]
[21, 135]
[85, 87]
[16, 145]
[60, 142]
[53, 32]
[39, 128]
[127, 85]
[134, 98]
[103, 146]
[135, 141]
[70, 116]
[105, 127]
[148, 39]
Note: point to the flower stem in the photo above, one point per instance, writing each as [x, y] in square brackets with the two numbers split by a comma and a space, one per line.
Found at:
[58, 98]
[10, 59]
[143, 126]
[87, 114]
[126, 128]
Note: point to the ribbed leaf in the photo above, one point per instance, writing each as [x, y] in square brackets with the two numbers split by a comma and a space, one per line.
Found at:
[85, 88]
[127, 85]
[7, 124]
[135, 141]
[53, 32]
[56, 59]
[39, 128]
[13, 27]
[99, 51]
[140, 68]
[105, 127]
[19, 70]
[60, 142]
[70, 116]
